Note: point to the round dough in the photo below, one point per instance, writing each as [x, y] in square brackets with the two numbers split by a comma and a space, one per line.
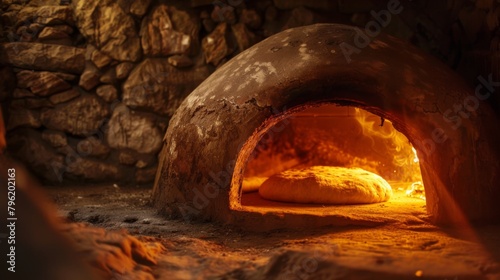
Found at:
[252, 184]
[326, 185]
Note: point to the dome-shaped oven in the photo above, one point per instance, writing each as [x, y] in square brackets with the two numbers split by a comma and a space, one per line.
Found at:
[214, 132]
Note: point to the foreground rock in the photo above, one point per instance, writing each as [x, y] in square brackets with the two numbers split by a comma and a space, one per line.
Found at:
[34, 152]
[61, 251]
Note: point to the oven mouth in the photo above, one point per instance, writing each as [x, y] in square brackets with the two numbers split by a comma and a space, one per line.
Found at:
[340, 136]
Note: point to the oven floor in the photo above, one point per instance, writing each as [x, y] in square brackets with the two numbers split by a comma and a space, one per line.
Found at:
[397, 209]
[208, 251]
[398, 205]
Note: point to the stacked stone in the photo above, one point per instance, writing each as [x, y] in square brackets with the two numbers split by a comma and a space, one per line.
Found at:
[89, 91]
[88, 87]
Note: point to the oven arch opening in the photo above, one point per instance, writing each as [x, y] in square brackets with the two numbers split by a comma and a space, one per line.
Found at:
[339, 138]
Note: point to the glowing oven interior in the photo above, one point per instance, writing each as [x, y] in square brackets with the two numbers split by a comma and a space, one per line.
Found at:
[329, 135]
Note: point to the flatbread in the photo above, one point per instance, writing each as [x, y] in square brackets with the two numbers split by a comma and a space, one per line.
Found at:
[252, 184]
[326, 185]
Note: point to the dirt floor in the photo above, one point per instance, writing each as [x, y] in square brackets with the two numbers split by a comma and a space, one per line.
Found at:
[407, 250]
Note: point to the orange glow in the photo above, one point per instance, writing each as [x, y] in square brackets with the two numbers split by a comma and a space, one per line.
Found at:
[405, 155]
[383, 133]
[331, 135]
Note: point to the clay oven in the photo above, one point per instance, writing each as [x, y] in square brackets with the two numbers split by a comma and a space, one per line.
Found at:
[213, 135]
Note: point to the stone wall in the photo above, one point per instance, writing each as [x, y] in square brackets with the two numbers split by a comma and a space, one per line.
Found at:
[88, 87]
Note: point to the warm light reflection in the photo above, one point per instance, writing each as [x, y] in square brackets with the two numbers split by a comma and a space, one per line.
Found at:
[416, 190]
[415, 159]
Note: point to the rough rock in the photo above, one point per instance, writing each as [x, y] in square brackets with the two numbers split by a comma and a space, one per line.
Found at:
[251, 18]
[38, 3]
[52, 15]
[46, 15]
[81, 116]
[139, 7]
[216, 45]
[127, 157]
[97, 57]
[123, 69]
[23, 34]
[93, 170]
[185, 21]
[41, 83]
[109, 28]
[158, 36]
[160, 87]
[66, 76]
[21, 93]
[36, 28]
[64, 96]
[56, 32]
[114, 253]
[30, 103]
[29, 147]
[9, 18]
[146, 175]
[90, 77]
[145, 161]
[27, 33]
[107, 92]
[23, 118]
[189, 24]
[141, 164]
[223, 13]
[92, 146]
[130, 130]
[244, 37]
[109, 77]
[43, 57]
[123, 4]
[180, 61]
[56, 139]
